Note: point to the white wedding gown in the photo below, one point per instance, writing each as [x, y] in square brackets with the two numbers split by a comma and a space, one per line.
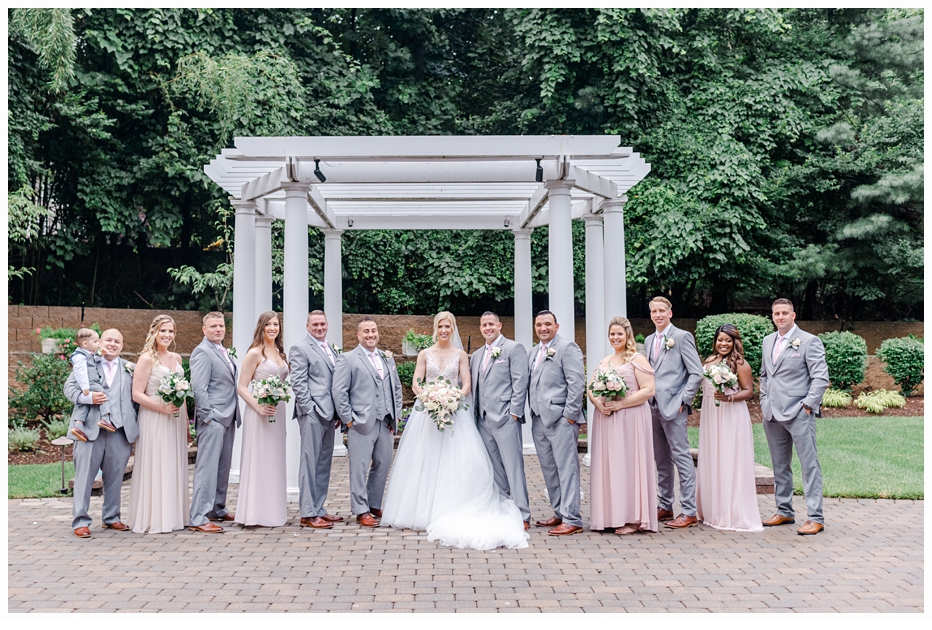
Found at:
[442, 482]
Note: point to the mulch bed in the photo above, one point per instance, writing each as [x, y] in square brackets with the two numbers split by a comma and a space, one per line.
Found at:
[45, 454]
[914, 407]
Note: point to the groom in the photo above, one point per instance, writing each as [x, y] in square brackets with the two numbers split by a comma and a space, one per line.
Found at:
[500, 379]
[557, 386]
[367, 398]
[677, 375]
[216, 409]
[793, 377]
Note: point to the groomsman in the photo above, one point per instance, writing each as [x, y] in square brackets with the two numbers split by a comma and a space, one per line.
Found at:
[104, 450]
[677, 375]
[557, 386]
[216, 410]
[367, 398]
[500, 381]
[312, 362]
[793, 377]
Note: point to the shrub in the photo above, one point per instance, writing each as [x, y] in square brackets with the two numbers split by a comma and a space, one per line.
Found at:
[890, 399]
[753, 329]
[405, 414]
[66, 337]
[44, 380]
[56, 428]
[23, 439]
[836, 398]
[420, 342]
[904, 359]
[846, 357]
[406, 372]
[876, 402]
[639, 339]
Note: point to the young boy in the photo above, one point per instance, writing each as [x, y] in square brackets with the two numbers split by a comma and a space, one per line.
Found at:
[90, 379]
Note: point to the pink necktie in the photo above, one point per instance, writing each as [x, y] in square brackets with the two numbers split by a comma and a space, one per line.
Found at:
[377, 364]
[656, 345]
[329, 354]
[109, 365]
[488, 355]
[778, 348]
[540, 355]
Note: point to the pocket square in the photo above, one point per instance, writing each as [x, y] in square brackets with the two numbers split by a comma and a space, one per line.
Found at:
[794, 355]
[501, 361]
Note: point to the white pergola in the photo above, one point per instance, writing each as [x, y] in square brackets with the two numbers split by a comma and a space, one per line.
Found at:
[514, 183]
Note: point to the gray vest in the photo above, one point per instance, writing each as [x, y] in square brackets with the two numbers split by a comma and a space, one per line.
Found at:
[385, 402]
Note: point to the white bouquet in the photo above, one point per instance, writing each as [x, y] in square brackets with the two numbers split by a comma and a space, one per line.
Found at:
[271, 391]
[175, 389]
[721, 376]
[440, 399]
[608, 384]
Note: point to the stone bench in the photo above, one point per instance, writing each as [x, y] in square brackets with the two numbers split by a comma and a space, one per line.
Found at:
[98, 488]
[763, 475]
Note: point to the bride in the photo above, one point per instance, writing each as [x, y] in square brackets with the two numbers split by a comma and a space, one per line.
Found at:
[442, 481]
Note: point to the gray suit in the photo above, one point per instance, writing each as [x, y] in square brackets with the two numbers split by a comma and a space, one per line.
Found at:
[104, 451]
[498, 392]
[677, 377]
[373, 406]
[556, 391]
[311, 379]
[216, 411]
[799, 377]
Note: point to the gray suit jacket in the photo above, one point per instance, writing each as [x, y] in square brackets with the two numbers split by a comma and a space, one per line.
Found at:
[799, 377]
[677, 372]
[120, 395]
[503, 384]
[558, 384]
[311, 379]
[357, 394]
[214, 385]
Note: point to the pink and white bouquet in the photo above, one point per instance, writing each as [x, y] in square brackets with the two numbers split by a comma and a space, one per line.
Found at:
[271, 391]
[721, 376]
[608, 384]
[175, 389]
[440, 399]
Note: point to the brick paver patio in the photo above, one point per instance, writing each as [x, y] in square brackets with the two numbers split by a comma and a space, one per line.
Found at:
[869, 559]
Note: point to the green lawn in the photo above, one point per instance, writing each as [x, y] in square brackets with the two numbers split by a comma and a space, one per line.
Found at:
[860, 457]
[37, 480]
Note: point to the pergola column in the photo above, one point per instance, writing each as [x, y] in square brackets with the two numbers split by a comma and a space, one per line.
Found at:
[294, 306]
[560, 250]
[595, 303]
[244, 288]
[616, 281]
[263, 264]
[524, 316]
[333, 304]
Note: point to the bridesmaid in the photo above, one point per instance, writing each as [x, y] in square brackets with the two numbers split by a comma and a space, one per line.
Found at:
[262, 496]
[726, 491]
[158, 497]
[623, 476]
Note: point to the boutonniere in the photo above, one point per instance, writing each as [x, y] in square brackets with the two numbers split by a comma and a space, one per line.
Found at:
[496, 351]
[550, 353]
[337, 350]
[232, 352]
[386, 354]
[795, 343]
[668, 343]
[129, 367]
[99, 352]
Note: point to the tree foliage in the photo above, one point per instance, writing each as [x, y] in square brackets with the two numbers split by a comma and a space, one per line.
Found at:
[786, 146]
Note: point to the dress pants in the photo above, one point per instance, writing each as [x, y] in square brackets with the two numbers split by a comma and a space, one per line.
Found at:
[212, 470]
[671, 446]
[781, 437]
[108, 453]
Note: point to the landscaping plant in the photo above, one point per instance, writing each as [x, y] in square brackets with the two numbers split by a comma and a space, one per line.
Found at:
[836, 398]
[406, 371]
[753, 329]
[905, 363]
[56, 428]
[22, 439]
[42, 399]
[419, 341]
[876, 402]
[846, 357]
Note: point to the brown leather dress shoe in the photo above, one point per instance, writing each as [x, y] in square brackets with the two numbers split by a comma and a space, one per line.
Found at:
[778, 519]
[207, 528]
[565, 529]
[682, 522]
[229, 516]
[82, 532]
[527, 525]
[809, 528]
[79, 434]
[553, 521]
[376, 512]
[367, 520]
[106, 425]
[319, 523]
[117, 525]
[330, 518]
[664, 515]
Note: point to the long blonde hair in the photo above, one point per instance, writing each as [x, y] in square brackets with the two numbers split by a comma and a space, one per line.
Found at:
[439, 317]
[150, 347]
[630, 348]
